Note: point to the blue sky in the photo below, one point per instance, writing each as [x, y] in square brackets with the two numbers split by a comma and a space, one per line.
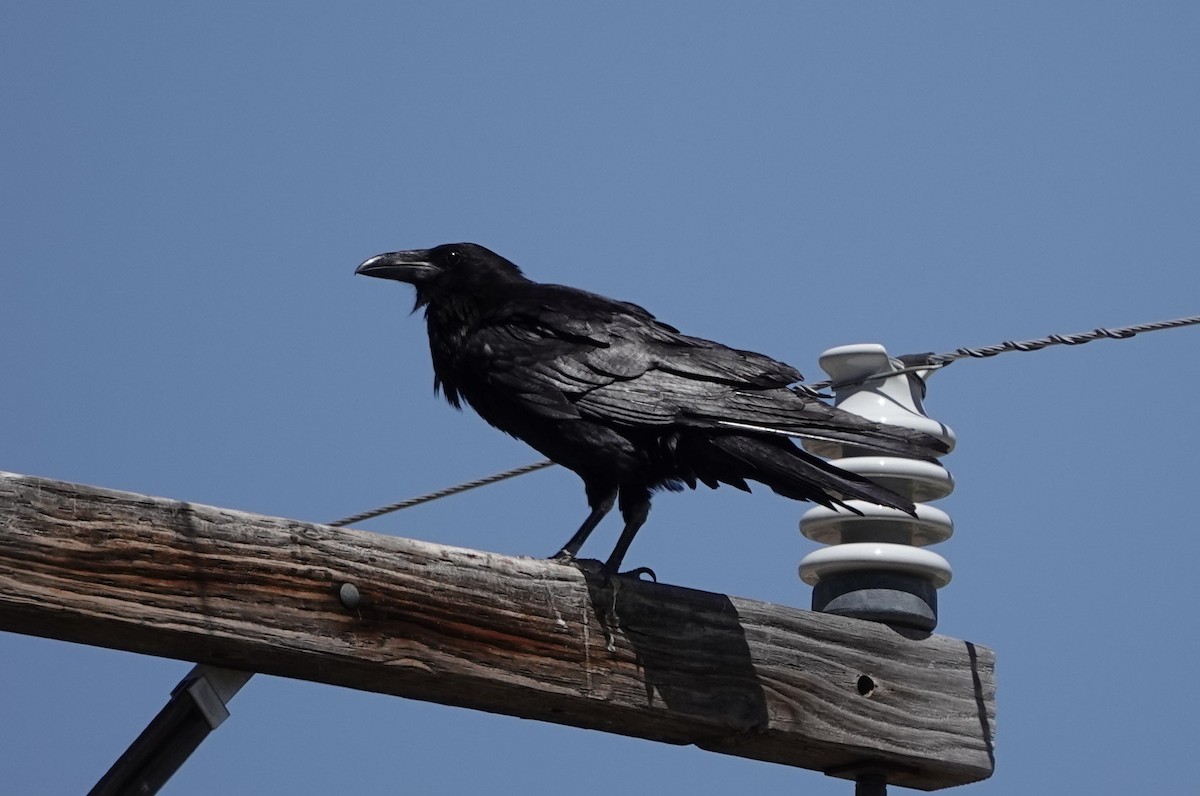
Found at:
[187, 190]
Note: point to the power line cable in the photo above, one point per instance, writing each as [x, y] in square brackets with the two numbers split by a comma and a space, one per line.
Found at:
[918, 362]
[1123, 333]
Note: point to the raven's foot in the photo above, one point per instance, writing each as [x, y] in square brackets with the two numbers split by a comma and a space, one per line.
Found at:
[594, 567]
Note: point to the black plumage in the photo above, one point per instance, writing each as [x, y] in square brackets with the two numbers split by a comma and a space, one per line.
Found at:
[625, 401]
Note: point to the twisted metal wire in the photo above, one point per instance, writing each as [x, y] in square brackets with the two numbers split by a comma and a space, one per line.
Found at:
[441, 493]
[1123, 333]
[926, 362]
[934, 361]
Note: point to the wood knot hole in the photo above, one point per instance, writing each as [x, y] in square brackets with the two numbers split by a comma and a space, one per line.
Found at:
[865, 685]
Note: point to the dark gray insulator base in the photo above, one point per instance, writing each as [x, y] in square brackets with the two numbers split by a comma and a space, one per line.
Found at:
[888, 597]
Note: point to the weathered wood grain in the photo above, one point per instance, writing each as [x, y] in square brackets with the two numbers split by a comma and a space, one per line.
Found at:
[523, 637]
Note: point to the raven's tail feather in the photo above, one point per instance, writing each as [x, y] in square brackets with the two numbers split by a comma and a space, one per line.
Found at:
[796, 415]
[910, 444]
[787, 470]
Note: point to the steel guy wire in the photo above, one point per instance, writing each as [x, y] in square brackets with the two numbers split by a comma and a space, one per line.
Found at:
[441, 493]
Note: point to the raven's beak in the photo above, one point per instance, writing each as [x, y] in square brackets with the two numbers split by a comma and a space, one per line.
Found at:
[410, 266]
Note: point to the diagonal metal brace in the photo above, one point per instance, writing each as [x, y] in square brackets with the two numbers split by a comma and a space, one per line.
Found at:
[196, 708]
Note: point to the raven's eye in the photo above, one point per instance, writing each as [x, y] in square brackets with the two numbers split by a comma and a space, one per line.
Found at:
[453, 256]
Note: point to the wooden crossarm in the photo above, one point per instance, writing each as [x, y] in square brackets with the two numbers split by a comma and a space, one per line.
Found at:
[517, 636]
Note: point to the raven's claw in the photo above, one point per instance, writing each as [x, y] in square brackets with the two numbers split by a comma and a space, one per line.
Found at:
[636, 574]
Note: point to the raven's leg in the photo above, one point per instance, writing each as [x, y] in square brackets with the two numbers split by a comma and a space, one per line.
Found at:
[601, 500]
[635, 508]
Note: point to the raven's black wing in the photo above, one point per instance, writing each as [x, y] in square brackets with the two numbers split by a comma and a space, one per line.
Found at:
[564, 353]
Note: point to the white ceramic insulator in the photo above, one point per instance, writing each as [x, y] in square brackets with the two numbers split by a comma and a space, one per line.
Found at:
[880, 538]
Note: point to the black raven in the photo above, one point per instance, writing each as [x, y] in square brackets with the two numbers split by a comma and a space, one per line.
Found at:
[625, 401]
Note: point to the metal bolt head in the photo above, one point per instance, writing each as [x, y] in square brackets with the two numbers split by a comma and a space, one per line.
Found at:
[348, 594]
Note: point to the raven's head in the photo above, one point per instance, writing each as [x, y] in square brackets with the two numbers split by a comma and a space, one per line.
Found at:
[446, 270]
